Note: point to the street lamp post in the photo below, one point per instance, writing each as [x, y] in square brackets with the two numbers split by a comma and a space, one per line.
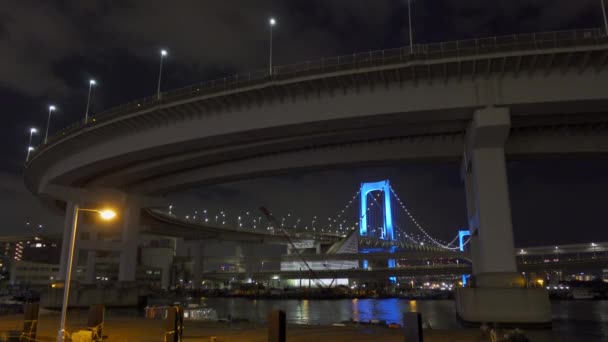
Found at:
[30, 148]
[105, 214]
[48, 122]
[163, 54]
[272, 22]
[604, 16]
[86, 114]
[409, 20]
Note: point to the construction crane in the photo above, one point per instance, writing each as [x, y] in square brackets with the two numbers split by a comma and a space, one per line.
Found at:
[275, 225]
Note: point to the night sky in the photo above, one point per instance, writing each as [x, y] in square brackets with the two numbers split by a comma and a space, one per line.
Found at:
[50, 49]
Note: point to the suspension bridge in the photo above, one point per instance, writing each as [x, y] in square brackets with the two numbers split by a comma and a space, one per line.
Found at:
[375, 213]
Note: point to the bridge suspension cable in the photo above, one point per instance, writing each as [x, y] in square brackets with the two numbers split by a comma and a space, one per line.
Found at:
[411, 217]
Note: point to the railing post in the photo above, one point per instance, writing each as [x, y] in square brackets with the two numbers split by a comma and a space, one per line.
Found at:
[276, 326]
[412, 327]
[555, 39]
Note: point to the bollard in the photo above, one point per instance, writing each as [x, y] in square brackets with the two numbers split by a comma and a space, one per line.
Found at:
[276, 326]
[171, 329]
[412, 325]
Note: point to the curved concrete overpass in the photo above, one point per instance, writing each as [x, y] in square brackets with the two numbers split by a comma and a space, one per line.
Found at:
[476, 101]
[366, 108]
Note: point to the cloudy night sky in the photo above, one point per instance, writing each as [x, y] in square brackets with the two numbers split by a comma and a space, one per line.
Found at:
[50, 49]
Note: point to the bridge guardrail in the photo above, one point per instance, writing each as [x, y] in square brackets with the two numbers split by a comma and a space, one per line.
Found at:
[420, 52]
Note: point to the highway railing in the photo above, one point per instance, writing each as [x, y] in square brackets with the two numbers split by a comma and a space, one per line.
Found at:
[419, 52]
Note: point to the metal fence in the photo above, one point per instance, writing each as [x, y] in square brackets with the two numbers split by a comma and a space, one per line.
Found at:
[420, 52]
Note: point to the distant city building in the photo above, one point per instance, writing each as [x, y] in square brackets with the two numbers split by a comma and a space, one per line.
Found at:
[32, 273]
[31, 248]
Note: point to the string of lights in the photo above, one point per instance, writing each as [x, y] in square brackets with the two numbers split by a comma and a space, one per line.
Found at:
[411, 217]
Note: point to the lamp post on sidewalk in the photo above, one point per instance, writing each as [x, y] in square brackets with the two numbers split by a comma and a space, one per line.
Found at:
[409, 20]
[105, 214]
[604, 16]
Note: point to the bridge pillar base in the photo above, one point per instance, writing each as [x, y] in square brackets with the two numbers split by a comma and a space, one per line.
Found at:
[500, 298]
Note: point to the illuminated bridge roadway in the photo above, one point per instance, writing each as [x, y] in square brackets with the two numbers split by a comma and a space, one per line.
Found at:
[421, 270]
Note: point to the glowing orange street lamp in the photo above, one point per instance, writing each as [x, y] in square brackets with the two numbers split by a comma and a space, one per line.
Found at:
[104, 214]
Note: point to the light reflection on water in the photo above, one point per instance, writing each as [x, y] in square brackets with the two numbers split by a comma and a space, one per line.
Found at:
[573, 320]
[439, 314]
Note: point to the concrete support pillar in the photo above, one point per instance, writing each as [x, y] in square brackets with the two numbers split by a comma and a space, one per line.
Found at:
[197, 253]
[248, 259]
[487, 190]
[181, 249]
[471, 214]
[127, 268]
[165, 276]
[318, 248]
[497, 294]
[89, 277]
[65, 242]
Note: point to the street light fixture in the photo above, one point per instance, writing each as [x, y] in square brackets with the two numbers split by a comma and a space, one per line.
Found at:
[272, 22]
[86, 114]
[48, 122]
[33, 131]
[104, 214]
[604, 16]
[163, 54]
[409, 20]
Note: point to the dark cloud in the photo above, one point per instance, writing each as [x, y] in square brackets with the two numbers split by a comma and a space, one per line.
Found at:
[18, 207]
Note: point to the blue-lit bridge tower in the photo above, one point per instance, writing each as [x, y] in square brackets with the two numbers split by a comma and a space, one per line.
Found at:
[386, 229]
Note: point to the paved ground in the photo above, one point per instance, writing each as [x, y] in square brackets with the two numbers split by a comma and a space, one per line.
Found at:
[124, 327]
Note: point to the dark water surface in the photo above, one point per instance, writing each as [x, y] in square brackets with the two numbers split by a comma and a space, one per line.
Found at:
[572, 320]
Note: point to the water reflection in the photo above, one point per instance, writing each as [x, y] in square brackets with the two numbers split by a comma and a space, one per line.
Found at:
[413, 306]
[573, 320]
